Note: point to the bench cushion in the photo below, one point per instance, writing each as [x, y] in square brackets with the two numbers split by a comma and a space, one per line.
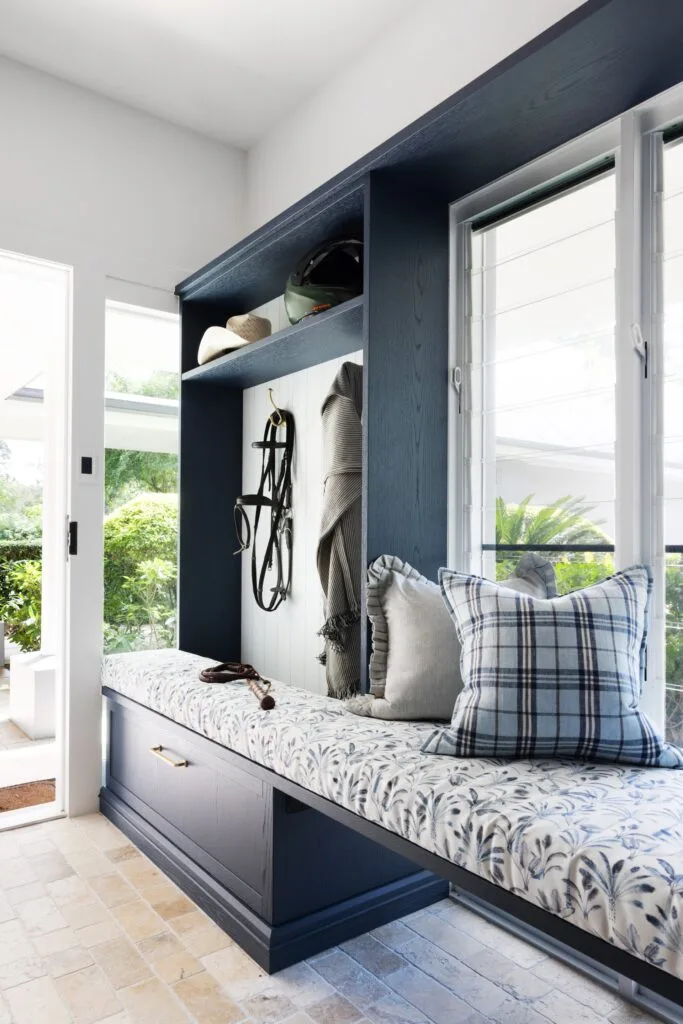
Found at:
[599, 845]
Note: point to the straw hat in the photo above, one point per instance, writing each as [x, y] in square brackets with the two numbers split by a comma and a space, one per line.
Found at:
[238, 331]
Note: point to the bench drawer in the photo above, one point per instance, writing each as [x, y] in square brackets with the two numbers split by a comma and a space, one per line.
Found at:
[214, 812]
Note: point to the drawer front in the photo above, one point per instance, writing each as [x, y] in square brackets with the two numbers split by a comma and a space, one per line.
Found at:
[213, 811]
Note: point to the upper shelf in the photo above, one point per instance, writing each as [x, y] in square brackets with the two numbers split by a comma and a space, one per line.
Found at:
[337, 332]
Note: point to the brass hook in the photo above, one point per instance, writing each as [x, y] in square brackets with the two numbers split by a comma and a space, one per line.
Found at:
[280, 418]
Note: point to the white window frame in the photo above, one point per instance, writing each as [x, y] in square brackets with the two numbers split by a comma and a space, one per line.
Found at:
[634, 140]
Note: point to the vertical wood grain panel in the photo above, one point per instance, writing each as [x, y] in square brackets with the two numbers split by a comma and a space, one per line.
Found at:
[406, 376]
[284, 644]
[209, 606]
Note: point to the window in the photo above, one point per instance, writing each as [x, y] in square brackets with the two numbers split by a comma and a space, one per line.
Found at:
[140, 478]
[542, 369]
[672, 431]
[567, 371]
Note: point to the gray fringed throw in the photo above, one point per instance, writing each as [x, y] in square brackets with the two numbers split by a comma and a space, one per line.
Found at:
[339, 546]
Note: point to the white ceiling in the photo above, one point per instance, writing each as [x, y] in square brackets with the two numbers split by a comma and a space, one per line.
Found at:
[225, 68]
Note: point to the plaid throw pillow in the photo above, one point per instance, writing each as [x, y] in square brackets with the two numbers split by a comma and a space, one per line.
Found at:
[557, 677]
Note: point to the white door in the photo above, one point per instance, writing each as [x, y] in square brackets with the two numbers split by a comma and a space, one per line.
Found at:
[35, 357]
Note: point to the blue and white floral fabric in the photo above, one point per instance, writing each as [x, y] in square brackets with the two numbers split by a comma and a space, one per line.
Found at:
[598, 845]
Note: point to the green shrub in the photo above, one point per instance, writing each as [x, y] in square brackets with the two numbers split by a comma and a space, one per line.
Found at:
[142, 529]
[21, 607]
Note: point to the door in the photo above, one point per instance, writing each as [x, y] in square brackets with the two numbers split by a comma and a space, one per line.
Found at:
[35, 335]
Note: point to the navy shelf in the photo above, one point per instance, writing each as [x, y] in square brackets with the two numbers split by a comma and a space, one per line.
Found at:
[335, 333]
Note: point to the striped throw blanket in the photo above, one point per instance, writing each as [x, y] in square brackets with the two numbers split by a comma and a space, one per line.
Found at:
[339, 545]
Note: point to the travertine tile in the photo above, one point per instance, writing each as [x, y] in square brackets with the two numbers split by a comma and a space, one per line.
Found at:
[138, 920]
[577, 985]
[64, 887]
[517, 982]
[269, 1006]
[66, 891]
[395, 934]
[113, 889]
[350, 979]
[442, 933]
[151, 1002]
[300, 983]
[14, 942]
[177, 967]
[207, 940]
[55, 942]
[374, 956]
[67, 961]
[172, 907]
[17, 972]
[17, 871]
[51, 866]
[394, 1010]
[40, 916]
[6, 909]
[89, 863]
[159, 946]
[561, 1008]
[83, 911]
[334, 1010]
[436, 1001]
[237, 972]
[121, 963]
[35, 1002]
[207, 1002]
[140, 872]
[119, 853]
[96, 934]
[512, 1011]
[189, 923]
[628, 1014]
[23, 893]
[469, 986]
[87, 995]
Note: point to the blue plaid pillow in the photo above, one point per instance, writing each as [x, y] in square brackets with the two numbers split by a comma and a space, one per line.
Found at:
[558, 677]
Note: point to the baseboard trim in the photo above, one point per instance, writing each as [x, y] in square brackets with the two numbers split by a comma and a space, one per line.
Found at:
[274, 947]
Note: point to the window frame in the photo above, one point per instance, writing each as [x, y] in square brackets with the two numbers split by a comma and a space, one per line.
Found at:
[634, 141]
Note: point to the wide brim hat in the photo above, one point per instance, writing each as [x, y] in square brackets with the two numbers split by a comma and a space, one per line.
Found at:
[238, 331]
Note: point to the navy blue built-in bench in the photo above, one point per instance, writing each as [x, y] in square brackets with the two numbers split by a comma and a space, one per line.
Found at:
[592, 854]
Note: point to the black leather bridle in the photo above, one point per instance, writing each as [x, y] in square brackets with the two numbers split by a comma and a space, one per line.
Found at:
[274, 493]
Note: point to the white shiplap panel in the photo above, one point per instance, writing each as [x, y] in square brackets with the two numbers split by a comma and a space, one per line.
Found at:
[284, 644]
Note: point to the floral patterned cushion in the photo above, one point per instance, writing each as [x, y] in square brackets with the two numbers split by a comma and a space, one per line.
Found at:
[598, 845]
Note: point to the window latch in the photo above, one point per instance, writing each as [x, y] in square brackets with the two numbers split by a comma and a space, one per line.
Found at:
[640, 345]
[456, 383]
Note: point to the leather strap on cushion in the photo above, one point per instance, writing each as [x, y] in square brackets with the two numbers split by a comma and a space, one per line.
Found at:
[228, 672]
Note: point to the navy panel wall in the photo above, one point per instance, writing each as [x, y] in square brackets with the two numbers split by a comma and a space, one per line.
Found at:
[405, 408]
[209, 575]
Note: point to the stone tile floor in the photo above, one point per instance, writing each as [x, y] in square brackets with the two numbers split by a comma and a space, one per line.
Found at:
[92, 933]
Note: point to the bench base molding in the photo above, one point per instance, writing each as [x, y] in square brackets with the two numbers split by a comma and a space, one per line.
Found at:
[274, 947]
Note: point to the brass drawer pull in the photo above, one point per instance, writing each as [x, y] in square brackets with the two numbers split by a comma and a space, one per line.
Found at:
[159, 752]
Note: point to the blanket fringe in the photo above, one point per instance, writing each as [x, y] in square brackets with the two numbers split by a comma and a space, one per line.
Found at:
[333, 630]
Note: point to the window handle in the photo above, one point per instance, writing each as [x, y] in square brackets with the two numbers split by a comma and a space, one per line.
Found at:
[640, 345]
[456, 381]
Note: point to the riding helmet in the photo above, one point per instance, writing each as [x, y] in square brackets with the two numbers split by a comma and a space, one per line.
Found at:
[325, 277]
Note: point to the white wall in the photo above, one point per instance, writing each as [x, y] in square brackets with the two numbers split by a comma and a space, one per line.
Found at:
[133, 204]
[430, 54]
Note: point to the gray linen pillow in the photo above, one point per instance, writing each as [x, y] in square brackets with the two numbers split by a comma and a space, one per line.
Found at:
[414, 665]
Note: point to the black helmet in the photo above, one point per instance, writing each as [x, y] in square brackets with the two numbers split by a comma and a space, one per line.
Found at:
[325, 277]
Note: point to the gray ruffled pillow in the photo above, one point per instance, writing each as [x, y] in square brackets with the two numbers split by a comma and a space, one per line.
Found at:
[415, 660]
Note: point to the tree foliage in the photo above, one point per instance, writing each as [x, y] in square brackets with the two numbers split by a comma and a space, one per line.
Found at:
[142, 529]
[20, 504]
[128, 474]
